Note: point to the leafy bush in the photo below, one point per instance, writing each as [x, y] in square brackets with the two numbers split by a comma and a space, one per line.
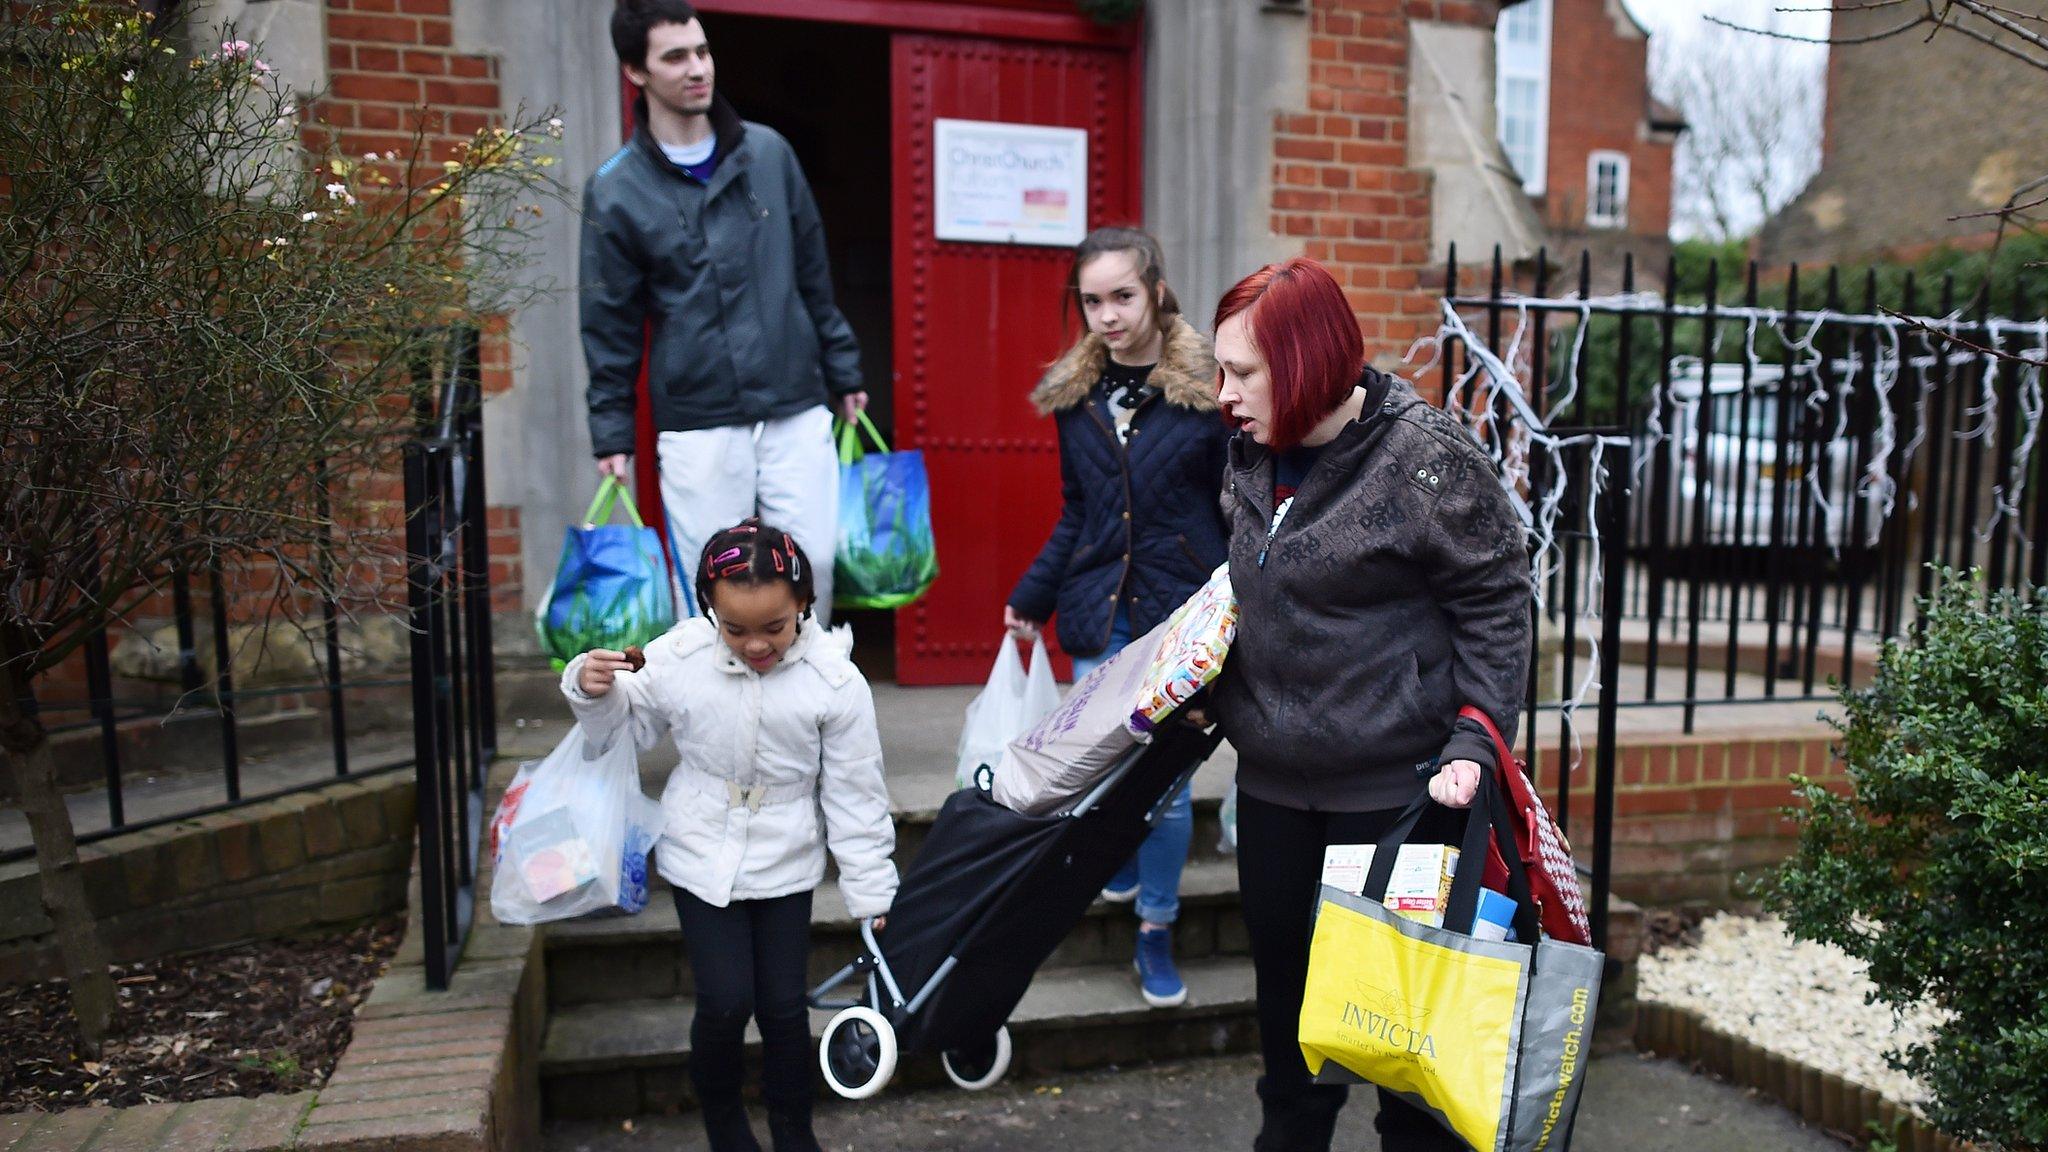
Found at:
[1933, 868]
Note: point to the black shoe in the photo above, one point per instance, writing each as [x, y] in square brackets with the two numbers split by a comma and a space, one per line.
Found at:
[726, 1125]
[792, 1133]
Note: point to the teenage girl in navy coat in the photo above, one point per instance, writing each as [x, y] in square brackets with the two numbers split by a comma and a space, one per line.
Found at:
[1142, 453]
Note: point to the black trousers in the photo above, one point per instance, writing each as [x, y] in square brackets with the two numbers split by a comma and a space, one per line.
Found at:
[1279, 868]
[750, 959]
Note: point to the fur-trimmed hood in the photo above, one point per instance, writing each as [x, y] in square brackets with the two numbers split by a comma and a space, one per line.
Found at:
[1185, 376]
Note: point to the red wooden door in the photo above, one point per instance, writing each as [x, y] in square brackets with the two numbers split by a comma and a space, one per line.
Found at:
[975, 324]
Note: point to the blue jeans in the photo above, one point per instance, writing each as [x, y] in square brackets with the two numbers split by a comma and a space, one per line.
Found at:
[1161, 858]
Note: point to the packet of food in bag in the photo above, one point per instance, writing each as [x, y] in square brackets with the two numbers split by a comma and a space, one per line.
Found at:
[1345, 866]
[1421, 887]
[550, 856]
[1190, 653]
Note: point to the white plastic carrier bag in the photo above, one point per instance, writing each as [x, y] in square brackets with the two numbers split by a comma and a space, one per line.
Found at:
[1013, 700]
[571, 835]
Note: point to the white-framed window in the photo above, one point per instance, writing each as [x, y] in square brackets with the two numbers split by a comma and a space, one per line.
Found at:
[1522, 24]
[1521, 90]
[1521, 120]
[1607, 190]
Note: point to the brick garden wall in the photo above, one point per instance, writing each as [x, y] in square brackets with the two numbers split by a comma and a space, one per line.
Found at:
[320, 859]
[1697, 817]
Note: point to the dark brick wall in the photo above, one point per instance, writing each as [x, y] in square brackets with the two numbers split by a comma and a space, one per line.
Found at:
[319, 859]
[1600, 101]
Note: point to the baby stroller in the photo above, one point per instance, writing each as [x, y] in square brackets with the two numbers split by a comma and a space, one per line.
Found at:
[991, 893]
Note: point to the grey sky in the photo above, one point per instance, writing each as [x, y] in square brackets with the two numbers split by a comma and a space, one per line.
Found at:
[1675, 26]
[1682, 19]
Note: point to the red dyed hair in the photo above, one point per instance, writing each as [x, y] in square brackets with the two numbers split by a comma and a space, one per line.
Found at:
[1300, 322]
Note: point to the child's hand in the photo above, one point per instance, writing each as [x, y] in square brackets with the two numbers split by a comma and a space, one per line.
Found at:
[599, 667]
[1019, 627]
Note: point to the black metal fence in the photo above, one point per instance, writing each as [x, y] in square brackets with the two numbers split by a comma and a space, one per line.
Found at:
[454, 703]
[1804, 452]
[1573, 493]
[452, 713]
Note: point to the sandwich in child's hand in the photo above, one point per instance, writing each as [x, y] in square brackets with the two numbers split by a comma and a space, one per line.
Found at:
[636, 657]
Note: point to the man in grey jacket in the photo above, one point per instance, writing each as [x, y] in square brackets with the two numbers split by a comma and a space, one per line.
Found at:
[704, 260]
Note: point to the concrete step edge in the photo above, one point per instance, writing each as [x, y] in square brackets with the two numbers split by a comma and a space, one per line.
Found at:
[648, 1033]
[1207, 880]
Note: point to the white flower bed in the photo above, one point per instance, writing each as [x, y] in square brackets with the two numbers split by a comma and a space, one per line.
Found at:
[1806, 1001]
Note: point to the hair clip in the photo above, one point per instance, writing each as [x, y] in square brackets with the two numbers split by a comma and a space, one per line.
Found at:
[777, 558]
[722, 557]
[731, 570]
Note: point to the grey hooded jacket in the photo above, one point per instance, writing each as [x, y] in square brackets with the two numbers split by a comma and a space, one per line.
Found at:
[1395, 591]
[733, 276]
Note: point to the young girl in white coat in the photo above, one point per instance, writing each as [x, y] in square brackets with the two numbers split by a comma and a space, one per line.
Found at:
[780, 760]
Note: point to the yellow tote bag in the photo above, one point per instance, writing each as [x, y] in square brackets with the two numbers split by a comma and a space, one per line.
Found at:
[1488, 1036]
[1415, 1011]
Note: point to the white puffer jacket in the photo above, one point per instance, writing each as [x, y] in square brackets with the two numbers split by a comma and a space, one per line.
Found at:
[769, 762]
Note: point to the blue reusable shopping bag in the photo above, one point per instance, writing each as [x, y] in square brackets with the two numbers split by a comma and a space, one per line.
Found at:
[885, 556]
[611, 587]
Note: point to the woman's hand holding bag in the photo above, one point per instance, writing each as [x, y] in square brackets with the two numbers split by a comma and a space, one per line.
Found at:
[1455, 784]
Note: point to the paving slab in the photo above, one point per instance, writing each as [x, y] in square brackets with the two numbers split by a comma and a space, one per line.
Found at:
[1631, 1105]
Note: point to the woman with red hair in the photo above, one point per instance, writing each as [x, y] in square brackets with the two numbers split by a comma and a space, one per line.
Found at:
[1383, 583]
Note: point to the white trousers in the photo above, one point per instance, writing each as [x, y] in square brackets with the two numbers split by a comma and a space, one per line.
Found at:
[784, 471]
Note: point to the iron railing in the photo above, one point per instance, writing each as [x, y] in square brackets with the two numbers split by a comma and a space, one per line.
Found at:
[1575, 491]
[1805, 452]
[454, 703]
[450, 674]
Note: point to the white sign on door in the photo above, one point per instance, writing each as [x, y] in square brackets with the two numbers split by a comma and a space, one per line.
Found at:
[1010, 183]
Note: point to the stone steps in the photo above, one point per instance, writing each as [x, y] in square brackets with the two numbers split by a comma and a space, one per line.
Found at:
[629, 1057]
[635, 958]
[619, 990]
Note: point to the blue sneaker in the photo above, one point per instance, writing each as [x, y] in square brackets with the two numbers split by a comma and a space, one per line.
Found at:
[1158, 979]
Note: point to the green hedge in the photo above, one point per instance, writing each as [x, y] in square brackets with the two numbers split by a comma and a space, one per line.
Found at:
[1934, 867]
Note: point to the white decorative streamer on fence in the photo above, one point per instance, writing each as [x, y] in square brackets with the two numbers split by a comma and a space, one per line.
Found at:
[1498, 385]
[1511, 448]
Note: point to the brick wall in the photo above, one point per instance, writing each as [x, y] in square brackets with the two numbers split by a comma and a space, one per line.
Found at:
[333, 856]
[1342, 184]
[1599, 101]
[1918, 135]
[1697, 818]
[394, 70]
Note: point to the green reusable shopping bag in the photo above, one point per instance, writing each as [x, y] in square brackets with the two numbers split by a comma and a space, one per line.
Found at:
[885, 557]
[611, 586]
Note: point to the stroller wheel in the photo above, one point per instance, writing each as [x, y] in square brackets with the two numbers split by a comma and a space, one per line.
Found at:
[980, 1065]
[858, 1052]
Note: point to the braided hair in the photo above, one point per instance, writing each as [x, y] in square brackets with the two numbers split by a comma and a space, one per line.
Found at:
[753, 554]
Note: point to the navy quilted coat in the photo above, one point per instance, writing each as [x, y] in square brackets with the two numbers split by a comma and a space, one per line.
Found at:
[1141, 523]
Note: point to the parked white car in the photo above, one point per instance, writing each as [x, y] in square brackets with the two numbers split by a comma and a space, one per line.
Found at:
[1742, 480]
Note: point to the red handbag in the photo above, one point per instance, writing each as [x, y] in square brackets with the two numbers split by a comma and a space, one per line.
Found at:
[1546, 854]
